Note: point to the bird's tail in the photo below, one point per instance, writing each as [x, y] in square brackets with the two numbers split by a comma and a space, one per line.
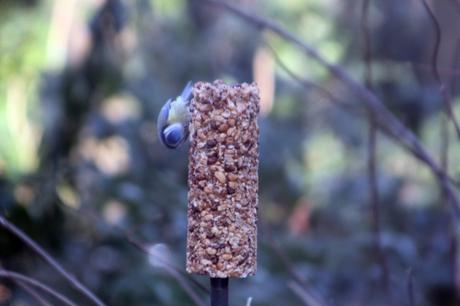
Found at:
[186, 94]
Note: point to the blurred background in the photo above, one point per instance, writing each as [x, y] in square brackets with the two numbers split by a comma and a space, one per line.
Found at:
[82, 172]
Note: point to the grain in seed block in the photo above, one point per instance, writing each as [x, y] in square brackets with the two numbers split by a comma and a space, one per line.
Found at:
[223, 180]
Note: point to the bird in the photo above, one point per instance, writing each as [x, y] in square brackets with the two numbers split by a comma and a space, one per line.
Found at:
[174, 118]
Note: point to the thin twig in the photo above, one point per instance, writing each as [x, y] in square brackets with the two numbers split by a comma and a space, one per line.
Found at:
[40, 299]
[295, 275]
[450, 227]
[309, 85]
[410, 287]
[445, 145]
[434, 63]
[453, 83]
[303, 295]
[168, 265]
[185, 286]
[376, 204]
[454, 250]
[372, 150]
[367, 49]
[385, 119]
[444, 71]
[33, 282]
[50, 260]
[180, 276]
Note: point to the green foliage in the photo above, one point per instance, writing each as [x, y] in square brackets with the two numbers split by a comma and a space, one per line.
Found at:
[23, 51]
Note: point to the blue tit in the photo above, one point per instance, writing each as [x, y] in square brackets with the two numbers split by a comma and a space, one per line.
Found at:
[173, 119]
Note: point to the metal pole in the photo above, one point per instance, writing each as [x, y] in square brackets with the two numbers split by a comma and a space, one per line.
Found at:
[219, 291]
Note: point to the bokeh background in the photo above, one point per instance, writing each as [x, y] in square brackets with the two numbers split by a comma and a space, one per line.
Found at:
[82, 172]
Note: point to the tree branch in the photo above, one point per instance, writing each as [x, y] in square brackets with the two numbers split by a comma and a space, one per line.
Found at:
[300, 292]
[173, 271]
[434, 64]
[33, 282]
[50, 260]
[40, 300]
[410, 287]
[372, 151]
[310, 85]
[386, 120]
[302, 289]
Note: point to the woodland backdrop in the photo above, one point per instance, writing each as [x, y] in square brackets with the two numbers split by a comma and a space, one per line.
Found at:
[359, 148]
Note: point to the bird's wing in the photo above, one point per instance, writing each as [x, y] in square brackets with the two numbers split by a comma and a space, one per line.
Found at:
[162, 119]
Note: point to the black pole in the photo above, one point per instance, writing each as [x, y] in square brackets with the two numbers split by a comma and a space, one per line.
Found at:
[219, 291]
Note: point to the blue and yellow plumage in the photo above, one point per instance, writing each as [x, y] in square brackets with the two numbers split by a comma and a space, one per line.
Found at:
[174, 118]
[178, 111]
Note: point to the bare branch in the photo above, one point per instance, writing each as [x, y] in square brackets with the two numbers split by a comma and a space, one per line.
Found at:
[33, 282]
[386, 120]
[300, 292]
[185, 286]
[376, 203]
[50, 260]
[309, 85]
[40, 300]
[437, 38]
[367, 52]
[306, 290]
[434, 64]
[410, 287]
[372, 151]
[444, 71]
[453, 84]
[180, 276]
